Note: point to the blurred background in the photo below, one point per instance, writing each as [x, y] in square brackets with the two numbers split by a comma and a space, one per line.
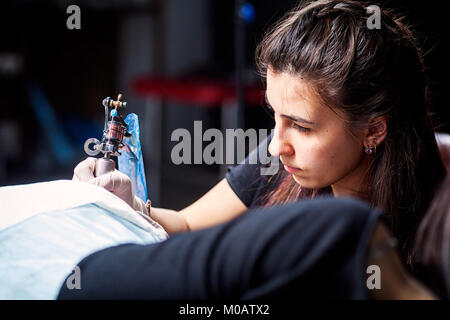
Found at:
[175, 62]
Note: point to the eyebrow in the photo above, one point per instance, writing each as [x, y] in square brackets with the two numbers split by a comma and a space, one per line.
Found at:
[291, 117]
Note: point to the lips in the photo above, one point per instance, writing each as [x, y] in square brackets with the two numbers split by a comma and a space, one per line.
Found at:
[291, 169]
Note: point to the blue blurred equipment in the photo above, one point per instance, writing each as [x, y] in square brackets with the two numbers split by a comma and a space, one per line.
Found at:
[247, 13]
[50, 125]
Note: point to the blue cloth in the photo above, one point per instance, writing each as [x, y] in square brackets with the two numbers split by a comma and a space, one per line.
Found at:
[37, 254]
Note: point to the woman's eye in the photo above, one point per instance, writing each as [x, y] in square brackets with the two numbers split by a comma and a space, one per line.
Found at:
[300, 128]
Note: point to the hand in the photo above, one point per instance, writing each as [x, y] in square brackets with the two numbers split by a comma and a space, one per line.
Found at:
[115, 182]
[84, 171]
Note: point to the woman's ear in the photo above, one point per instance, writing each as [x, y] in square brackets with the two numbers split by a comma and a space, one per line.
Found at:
[376, 131]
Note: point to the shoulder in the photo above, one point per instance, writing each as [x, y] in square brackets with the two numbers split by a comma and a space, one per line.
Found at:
[254, 175]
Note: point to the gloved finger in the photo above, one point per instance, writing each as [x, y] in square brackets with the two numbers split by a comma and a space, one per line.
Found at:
[114, 181]
[117, 183]
[105, 180]
[84, 171]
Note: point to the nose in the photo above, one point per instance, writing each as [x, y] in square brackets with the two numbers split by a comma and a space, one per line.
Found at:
[280, 146]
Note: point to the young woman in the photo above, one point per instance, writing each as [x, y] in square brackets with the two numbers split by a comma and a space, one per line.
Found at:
[351, 119]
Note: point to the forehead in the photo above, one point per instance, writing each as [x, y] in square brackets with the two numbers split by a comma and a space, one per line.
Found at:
[291, 94]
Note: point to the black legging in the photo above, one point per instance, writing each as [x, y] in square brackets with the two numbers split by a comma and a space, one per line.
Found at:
[308, 249]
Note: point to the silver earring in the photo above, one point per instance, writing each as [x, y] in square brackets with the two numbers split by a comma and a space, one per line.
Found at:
[371, 150]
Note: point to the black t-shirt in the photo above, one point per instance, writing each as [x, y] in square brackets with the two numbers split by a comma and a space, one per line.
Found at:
[250, 179]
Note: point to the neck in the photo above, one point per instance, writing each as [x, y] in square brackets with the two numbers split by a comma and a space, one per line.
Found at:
[345, 191]
[354, 184]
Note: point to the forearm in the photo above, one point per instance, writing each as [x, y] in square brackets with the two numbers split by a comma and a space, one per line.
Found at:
[171, 220]
[218, 205]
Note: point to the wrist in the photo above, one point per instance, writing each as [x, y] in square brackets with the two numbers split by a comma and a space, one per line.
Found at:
[139, 205]
[148, 207]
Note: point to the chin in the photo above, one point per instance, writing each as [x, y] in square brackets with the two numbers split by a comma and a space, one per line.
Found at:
[301, 181]
[305, 183]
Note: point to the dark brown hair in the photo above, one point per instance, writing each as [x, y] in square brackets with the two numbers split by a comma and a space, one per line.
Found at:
[365, 73]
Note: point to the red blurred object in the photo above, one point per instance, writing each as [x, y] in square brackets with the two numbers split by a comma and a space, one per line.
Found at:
[203, 92]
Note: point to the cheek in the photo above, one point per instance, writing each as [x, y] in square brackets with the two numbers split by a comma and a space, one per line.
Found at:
[313, 157]
[328, 160]
[339, 159]
[313, 154]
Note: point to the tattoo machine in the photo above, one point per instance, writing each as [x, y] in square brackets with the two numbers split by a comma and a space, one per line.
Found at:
[120, 134]
[114, 131]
